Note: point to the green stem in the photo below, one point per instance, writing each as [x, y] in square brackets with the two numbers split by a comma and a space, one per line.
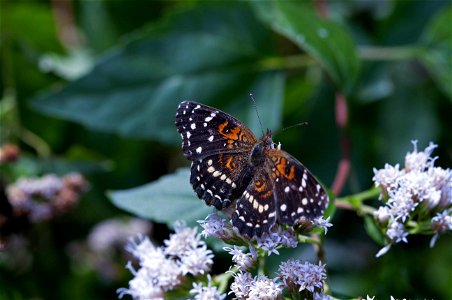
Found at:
[224, 278]
[261, 267]
[389, 53]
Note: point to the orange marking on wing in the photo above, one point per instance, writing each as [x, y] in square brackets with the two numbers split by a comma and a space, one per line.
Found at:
[267, 194]
[233, 134]
[261, 186]
[282, 169]
[230, 164]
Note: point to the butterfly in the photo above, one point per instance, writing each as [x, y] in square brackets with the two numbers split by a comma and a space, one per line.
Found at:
[230, 167]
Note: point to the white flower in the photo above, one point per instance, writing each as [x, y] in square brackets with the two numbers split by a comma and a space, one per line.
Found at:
[441, 223]
[419, 161]
[142, 287]
[109, 233]
[396, 232]
[302, 276]
[382, 214]
[264, 288]
[208, 292]
[163, 268]
[216, 226]
[321, 222]
[270, 241]
[412, 193]
[242, 261]
[196, 261]
[383, 250]
[183, 240]
[241, 285]
[387, 177]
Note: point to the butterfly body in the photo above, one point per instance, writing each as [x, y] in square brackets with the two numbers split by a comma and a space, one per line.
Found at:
[230, 167]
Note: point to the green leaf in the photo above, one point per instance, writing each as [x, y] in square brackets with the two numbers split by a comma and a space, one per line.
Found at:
[169, 199]
[437, 57]
[324, 40]
[210, 54]
[373, 230]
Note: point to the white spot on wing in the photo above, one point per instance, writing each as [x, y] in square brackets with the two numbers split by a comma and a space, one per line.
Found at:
[199, 149]
[193, 126]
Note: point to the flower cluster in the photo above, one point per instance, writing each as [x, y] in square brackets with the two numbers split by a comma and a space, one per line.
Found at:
[163, 268]
[41, 199]
[104, 244]
[208, 292]
[259, 287]
[216, 227]
[243, 261]
[298, 276]
[276, 238]
[419, 193]
[293, 275]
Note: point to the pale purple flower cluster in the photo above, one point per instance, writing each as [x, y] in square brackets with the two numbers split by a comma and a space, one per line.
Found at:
[257, 288]
[243, 261]
[41, 199]
[324, 223]
[302, 276]
[419, 186]
[296, 276]
[271, 240]
[163, 268]
[217, 227]
[208, 292]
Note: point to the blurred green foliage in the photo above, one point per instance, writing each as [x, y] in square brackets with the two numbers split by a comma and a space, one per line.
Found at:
[103, 103]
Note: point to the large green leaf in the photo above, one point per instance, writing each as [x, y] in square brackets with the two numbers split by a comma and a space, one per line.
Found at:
[169, 199]
[209, 54]
[324, 40]
[437, 56]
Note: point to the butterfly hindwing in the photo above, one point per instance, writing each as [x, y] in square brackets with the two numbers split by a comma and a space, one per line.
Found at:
[217, 179]
[255, 210]
[298, 194]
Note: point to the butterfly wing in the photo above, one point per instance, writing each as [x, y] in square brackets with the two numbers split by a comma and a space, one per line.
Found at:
[298, 194]
[255, 211]
[219, 146]
[220, 179]
[206, 131]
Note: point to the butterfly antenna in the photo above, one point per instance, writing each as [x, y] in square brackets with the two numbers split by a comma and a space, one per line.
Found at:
[257, 112]
[292, 126]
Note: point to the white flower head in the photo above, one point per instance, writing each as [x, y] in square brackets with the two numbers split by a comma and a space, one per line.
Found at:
[208, 292]
[388, 177]
[441, 223]
[419, 161]
[184, 239]
[243, 261]
[270, 241]
[215, 226]
[264, 288]
[302, 276]
[197, 261]
[382, 214]
[241, 285]
[396, 232]
[324, 223]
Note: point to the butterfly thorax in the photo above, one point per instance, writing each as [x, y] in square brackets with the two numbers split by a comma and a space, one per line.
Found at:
[257, 156]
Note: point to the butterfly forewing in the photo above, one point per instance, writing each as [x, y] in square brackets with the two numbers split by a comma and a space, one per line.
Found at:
[206, 131]
[298, 193]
